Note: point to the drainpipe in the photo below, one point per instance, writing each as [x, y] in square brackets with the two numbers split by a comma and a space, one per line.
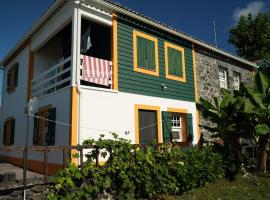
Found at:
[78, 63]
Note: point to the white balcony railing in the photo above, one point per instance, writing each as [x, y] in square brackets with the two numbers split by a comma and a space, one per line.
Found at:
[55, 78]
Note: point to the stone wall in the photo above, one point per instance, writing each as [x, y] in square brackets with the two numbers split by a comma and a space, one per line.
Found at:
[33, 192]
[208, 80]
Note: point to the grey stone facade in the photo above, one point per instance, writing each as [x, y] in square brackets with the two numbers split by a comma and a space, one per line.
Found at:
[208, 78]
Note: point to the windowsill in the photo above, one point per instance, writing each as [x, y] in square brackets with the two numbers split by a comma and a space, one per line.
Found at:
[98, 89]
[176, 78]
[146, 71]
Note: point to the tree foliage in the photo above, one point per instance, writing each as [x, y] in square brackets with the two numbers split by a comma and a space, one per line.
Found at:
[251, 37]
[243, 114]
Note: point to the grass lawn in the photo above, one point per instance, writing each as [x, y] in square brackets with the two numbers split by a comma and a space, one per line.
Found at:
[256, 188]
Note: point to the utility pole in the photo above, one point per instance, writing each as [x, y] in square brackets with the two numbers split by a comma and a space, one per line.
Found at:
[29, 109]
[215, 33]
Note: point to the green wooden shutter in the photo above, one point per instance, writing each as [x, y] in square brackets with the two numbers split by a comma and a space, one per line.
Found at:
[167, 126]
[16, 74]
[189, 127]
[50, 136]
[8, 80]
[175, 62]
[35, 130]
[12, 131]
[146, 53]
[5, 133]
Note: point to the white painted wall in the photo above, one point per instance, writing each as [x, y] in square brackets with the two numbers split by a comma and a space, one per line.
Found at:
[102, 112]
[14, 105]
[61, 101]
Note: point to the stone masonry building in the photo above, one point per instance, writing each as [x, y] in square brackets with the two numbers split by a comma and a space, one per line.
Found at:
[214, 72]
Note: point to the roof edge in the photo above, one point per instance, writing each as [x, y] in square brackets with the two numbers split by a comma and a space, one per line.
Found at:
[34, 27]
[174, 32]
[117, 8]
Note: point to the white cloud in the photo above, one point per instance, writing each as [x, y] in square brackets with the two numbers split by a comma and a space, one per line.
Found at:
[254, 8]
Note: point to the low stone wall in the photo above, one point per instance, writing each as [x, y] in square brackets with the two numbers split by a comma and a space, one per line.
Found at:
[11, 183]
[33, 192]
[208, 79]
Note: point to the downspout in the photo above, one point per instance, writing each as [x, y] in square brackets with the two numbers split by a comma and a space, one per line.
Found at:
[78, 63]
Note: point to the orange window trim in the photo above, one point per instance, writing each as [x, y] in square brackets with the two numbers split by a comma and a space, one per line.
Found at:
[135, 59]
[41, 122]
[182, 50]
[147, 107]
[8, 131]
[184, 127]
[182, 113]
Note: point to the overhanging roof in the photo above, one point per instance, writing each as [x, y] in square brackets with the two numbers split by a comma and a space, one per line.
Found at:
[124, 10]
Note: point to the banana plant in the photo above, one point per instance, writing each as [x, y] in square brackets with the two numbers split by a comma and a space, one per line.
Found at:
[227, 123]
[257, 99]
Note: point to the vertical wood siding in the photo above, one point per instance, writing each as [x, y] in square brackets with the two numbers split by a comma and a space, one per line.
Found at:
[139, 83]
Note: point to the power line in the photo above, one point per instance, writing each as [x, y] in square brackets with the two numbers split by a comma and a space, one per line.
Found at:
[89, 128]
[58, 122]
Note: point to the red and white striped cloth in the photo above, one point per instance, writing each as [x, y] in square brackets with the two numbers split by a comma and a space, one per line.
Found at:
[96, 70]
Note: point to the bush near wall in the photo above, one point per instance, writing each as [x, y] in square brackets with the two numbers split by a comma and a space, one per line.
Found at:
[131, 172]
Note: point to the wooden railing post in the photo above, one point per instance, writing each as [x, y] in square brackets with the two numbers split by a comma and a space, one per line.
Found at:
[46, 164]
[65, 156]
[81, 157]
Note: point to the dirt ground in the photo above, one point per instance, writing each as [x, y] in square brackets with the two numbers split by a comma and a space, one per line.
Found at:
[32, 177]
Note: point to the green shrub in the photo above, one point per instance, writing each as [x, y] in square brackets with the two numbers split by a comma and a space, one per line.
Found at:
[132, 172]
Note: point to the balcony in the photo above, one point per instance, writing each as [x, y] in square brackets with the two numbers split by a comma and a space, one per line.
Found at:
[56, 78]
[52, 63]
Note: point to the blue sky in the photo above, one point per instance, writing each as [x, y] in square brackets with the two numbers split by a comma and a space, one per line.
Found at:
[191, 16]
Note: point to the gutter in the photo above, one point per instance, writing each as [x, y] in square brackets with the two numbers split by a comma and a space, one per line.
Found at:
[117, 8]
[34, 28]
[179, 34]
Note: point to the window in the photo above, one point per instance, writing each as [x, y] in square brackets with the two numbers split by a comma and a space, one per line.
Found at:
[96, 54]
[175, 62]
[223, 77]
[44, 126]
[12, 78]
[176, 121]
[9, 129]
[147, 124]
[96, 40]
[145, 51]
[177, 126]
[236, 80]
